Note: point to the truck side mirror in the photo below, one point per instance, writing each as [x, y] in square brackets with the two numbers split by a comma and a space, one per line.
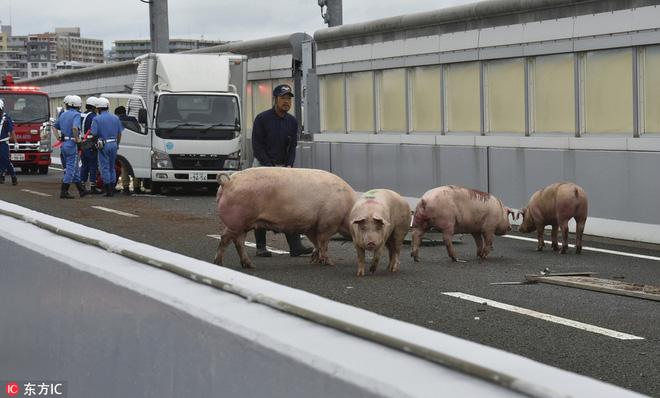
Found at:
[142, 116]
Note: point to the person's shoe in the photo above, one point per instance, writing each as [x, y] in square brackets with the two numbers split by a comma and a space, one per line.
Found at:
[108, 191]
[94, 191]
[2, 178]
[14, 180]
[81, 188]
[296, 248]
[64, 192]
[264, 253]
[300, 250]
[138, 191]
[126, 191]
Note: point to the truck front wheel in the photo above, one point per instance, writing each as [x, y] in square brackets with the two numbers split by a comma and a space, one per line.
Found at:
[43, 169]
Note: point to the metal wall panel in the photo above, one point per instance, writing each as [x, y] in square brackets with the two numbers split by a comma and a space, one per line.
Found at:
[620, 185]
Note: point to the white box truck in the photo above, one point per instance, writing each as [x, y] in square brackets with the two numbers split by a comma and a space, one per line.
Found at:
[191, 117]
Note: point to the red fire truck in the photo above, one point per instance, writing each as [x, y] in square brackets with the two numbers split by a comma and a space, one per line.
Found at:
[29, 108]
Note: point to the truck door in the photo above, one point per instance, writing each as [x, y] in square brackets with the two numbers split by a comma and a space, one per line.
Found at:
[135, 146]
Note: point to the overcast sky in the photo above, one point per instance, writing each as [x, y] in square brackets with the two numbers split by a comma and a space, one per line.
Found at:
[197, 19]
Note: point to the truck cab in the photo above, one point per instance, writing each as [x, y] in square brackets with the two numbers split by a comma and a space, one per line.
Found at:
[29, 109]
[190, 113]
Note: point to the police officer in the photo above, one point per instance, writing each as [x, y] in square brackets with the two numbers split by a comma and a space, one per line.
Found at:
[107, 128]
[88, 156]
[274, 141]
[6, 132]
[67, 130]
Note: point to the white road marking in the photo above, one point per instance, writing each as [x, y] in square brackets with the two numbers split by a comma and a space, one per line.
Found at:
[250, 244]
[35, 192]
[546, 317]
[593, 249]
[121, 213]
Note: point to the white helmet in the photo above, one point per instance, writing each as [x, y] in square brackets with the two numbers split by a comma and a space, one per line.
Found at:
[102, 102]
[75, 101]
[91, 101]
[2, 104]
[66, 100]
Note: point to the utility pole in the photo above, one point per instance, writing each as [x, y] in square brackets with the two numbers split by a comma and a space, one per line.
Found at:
[333, 13]
[159, 29]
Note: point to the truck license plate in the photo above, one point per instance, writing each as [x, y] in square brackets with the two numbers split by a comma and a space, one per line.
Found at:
[197, 177]
[17, 157]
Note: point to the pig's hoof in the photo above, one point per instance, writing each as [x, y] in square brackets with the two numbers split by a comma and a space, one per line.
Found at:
[538, 249]
[562, 251]
[361, 273]
[247, 265]
[578, 249]
[393, 269]
[326, 261]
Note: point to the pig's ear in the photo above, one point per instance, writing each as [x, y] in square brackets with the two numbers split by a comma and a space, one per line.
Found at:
[358, 219]
[520, 212]
[381, 219]
[510, 211]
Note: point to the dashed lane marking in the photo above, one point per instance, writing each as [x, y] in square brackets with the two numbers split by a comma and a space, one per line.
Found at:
[36, 192]
[254, 245]
[121, 213]
[545, 317]
[593, 249]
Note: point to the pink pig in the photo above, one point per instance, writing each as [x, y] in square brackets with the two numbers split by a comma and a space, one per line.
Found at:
[380, 218]
[312, 202]
[555, 205]
[453, 210]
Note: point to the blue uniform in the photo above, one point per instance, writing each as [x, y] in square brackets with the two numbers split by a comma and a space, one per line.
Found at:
[5, 160]
[107, 127]
[65, 123]
[88, 157]
[274, 138]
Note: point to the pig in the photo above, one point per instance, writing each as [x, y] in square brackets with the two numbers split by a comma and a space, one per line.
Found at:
[555, 205]
[453, 209]
[312, 202]
[380, 218]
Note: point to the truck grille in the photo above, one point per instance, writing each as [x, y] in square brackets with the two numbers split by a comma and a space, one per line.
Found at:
[198, 162]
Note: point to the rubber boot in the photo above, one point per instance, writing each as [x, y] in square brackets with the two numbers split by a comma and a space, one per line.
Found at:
[2, 178]
[296, 247]
[81, 189]
[64, 192]
[14, 180]
[108, 190]
[94, 191]
[260, 237]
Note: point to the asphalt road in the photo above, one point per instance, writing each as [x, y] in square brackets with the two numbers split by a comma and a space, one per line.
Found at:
[185, 221]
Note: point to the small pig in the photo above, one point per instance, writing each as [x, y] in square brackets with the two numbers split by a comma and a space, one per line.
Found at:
[312, 202]
[453, 210]
[555, 205]
[379, 218]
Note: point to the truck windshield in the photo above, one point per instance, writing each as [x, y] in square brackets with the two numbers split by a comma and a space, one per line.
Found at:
[26, 108]
[197, 117]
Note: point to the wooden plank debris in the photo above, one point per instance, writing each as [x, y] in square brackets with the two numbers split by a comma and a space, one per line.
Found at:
[600, 285]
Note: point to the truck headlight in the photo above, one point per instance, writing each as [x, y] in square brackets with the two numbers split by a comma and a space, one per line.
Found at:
[233, 161]
[44, 138]
[160, 160]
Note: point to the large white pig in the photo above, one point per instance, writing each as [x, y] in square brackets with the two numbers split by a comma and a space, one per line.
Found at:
[555, 205]
[453, 210]
[380, 218]
[312, 202]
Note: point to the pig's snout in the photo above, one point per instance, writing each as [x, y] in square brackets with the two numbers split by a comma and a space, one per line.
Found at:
[371, 245]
